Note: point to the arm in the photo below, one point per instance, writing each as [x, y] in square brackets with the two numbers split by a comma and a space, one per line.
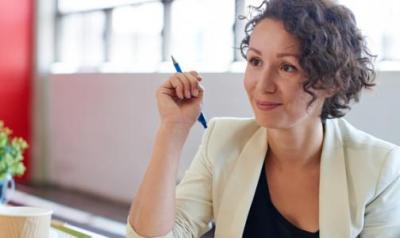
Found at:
[382, 215]
[193, 206]
[153, 209]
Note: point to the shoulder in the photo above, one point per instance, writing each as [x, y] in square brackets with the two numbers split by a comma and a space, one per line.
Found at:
[353, 138]
[231, 129]
[233, 126]
[365, 146]
[227, 135]
[368, 157]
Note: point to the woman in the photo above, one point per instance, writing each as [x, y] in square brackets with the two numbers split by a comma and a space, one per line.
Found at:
[294, 170]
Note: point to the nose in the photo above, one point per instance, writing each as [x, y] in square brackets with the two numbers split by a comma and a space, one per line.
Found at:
[266, 81]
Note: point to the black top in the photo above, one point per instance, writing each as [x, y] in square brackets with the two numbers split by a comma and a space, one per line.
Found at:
[265, 221]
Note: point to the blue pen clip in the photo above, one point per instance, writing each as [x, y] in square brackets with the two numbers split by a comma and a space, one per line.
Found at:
[201, 118]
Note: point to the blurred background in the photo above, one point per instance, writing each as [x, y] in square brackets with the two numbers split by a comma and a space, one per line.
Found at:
[78, 80]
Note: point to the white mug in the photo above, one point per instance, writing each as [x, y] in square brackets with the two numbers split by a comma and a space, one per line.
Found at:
[25, 222]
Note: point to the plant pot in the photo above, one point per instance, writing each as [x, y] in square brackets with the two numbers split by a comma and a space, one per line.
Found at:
[6, 185]
[1, 190]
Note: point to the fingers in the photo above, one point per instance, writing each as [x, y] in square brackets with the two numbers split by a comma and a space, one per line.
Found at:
[186, 84]
[194, 83]
[183, 78]
[195, 74]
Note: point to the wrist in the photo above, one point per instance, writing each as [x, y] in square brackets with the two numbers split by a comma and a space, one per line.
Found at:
[175, 129]
[173, 136]
[176, 126]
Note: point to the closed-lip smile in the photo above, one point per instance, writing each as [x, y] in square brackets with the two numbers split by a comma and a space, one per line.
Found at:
[267, 105]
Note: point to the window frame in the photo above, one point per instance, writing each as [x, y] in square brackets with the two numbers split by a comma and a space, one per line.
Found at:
[107, 6]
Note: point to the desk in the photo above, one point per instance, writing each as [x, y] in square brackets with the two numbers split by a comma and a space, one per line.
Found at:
[82, 221]
[55, 233]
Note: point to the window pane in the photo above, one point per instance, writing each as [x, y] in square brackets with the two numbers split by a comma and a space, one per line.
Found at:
[245, 11]
[254, 3]
[136, 37]
[81, 39]
[202, 33]
[79, 5]
[391, 37]
[378, 21]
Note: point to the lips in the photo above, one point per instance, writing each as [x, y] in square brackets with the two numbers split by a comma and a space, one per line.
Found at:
[267, 105]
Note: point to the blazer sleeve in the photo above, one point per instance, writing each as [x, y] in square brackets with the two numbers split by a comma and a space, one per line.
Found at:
[382, 215]
[194, 210]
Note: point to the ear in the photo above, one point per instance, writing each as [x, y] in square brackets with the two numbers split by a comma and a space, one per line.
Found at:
[327, 93]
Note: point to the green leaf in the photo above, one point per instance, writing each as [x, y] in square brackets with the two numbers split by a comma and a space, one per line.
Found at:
[11, 153]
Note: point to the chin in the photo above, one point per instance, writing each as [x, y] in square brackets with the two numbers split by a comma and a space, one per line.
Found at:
[270, 122]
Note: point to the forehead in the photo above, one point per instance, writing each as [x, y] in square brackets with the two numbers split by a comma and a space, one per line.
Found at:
[270, 35]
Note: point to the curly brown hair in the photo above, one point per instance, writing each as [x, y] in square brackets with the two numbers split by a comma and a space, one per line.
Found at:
[333, 54]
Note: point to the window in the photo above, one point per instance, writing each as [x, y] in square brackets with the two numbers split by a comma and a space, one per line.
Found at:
[136, 37]
[81, 44]
[140, 35]
[202, 33]
[378, 21]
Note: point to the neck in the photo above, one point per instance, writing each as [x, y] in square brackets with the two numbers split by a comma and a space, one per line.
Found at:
[297, 147]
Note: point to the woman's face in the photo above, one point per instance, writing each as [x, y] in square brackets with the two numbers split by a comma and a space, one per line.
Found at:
[274, 79]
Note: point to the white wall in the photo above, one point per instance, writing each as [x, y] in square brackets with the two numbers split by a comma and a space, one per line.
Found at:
[101, 127]
[378, 111]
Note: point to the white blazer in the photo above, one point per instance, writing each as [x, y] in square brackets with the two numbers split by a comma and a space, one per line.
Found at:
[359, 192]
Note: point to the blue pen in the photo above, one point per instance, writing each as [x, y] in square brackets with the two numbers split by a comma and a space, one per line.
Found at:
[201, 118]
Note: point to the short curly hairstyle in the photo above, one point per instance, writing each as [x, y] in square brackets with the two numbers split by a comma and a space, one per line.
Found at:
[333, 53]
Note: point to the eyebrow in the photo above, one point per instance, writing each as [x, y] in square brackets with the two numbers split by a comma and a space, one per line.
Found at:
[255, 50]
[279, 55]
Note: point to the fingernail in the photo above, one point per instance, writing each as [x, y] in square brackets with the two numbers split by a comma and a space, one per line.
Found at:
[195, 92]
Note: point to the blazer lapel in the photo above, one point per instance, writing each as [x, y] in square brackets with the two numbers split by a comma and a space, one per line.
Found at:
[240, 188]
[334, 208]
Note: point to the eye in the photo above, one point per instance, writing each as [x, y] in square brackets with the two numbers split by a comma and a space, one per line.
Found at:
[254, 61]
[288, 68]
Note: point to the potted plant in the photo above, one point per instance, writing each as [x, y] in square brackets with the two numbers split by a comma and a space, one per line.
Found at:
[11, 159]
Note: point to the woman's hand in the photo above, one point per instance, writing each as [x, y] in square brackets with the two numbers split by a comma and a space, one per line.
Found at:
[153, 210]
[179, 99]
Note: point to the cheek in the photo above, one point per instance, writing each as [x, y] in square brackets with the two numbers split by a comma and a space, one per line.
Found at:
[292, 91]
[300, 100]
[248, 84]
[294, 98]
[300, 104]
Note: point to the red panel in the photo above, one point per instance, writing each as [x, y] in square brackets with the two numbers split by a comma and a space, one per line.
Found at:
[16, 47]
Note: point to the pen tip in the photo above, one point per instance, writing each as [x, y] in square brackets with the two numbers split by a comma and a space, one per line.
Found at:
[173, 59]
